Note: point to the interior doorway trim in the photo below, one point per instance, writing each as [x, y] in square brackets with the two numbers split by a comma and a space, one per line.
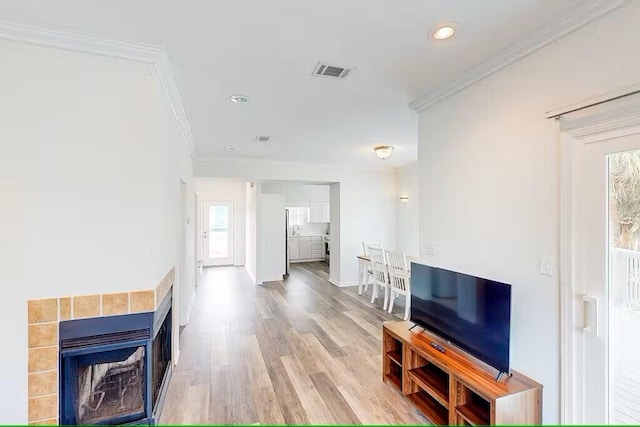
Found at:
[614, 123]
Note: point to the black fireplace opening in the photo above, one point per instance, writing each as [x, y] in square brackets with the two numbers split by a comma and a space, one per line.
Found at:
[161, 362]
[114, 370]
[109, 390]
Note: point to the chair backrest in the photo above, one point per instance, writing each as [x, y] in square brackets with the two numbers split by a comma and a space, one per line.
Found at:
[378, 265]
[367, 245]
[398, 272]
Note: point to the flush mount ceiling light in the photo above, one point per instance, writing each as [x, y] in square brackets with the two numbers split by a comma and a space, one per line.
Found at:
[443, 32]
[239, 99]
[229, 148]
[383, 151]
[404, 199]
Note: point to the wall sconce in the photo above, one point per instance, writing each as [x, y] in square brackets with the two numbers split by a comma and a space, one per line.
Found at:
[404, 199]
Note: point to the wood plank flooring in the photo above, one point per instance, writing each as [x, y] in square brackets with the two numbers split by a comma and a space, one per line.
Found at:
[297, 351]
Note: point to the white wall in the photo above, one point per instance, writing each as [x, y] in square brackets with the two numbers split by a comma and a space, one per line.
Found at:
[227, 190]
[367, 201]
[407, 217]
[489, 177]
[90, 180]
[297, 194]
[334, 254]
[251, 262]
[271, 238]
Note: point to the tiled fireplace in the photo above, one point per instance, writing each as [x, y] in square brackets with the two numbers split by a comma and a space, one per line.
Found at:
[100, 358]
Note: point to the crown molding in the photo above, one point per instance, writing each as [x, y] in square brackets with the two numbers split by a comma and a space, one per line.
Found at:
[163, 69]
[575, 19]
[87, 43]
[133, 51]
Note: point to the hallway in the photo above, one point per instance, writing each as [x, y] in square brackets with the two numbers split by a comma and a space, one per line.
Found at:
[292, 352]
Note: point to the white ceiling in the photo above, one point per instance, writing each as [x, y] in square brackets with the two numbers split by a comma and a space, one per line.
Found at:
[267, 49]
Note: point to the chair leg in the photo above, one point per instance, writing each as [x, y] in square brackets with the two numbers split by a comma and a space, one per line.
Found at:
[407, 306]
[363, 280]
[386, 297]
[374, 293]
[393, 295]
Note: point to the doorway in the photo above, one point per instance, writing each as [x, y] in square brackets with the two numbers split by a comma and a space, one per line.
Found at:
[217, 233]
[601, 279]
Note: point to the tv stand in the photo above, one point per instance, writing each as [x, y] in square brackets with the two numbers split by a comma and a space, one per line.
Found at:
[453, 387]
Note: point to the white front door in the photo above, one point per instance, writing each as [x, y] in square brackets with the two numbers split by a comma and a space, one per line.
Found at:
[607, 280]
[217, 233]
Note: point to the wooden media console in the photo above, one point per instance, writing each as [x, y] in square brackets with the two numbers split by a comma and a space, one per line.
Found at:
[453, 387]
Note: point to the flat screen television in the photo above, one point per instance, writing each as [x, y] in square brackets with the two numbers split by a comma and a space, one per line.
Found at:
[470, 312]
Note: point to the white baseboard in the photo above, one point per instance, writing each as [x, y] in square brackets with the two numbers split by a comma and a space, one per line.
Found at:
[343, 285]
[253, 279]
[191, 304]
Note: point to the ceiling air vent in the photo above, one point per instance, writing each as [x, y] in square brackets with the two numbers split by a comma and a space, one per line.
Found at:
[324, 70]
[262, 138]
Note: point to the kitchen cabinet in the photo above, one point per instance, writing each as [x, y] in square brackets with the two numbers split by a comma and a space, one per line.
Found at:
[319, 212]
[294, 248]
[317, 247]
[306, 248]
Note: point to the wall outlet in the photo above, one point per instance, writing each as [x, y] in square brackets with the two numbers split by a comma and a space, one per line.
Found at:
[546, 265]
[432, 248]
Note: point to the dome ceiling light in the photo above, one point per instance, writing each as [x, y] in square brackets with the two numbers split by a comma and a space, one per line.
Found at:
[383, 151]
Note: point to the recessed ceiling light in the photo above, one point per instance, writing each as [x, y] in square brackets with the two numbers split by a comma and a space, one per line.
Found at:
[239, 99]
[443, 32]
[229, 148]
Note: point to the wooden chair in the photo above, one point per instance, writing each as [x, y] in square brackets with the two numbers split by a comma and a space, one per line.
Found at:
[366, 272]
[399, 280]
[379, 275]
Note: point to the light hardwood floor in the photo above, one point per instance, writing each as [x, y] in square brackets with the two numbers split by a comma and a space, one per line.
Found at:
[297, 351]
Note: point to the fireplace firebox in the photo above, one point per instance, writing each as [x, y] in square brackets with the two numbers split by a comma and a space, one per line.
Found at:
[113, 370]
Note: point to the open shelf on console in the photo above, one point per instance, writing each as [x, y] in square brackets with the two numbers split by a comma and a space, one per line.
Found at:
[394, 375]
[473, 415]
[431, 408]
[433, 380]
[392, 364]
[472, 408]
[395, 356]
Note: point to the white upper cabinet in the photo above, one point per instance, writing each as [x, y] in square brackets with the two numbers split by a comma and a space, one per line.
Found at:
[319, 212]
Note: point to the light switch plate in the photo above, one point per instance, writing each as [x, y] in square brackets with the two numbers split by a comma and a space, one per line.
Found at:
[432, 248]
[546, 265]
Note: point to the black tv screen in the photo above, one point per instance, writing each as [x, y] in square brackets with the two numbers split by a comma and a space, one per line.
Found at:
[470, 312]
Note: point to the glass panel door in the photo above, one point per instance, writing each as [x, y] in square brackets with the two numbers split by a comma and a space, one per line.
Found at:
[218, 233]
[607, 280]
[624, 287]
